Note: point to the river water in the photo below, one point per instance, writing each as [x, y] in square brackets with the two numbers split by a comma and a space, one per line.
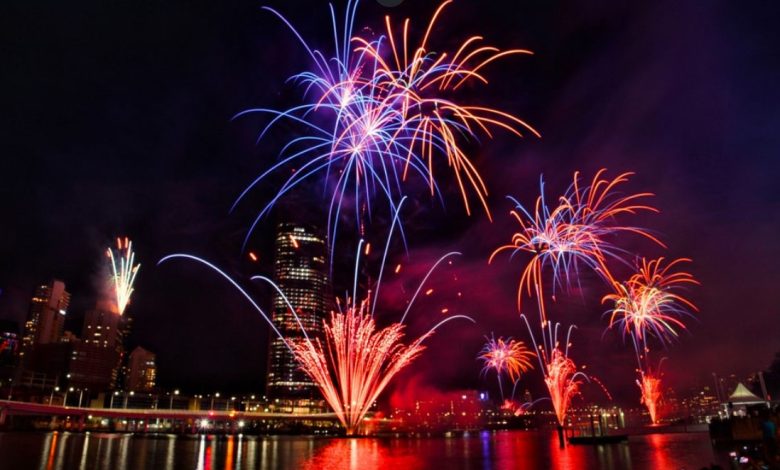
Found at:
[484, 450]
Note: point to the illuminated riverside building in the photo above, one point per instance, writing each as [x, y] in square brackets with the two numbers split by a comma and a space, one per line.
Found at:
[301, 272]
[142, 370]
[97, 357]
[48, 308]
[42, 357]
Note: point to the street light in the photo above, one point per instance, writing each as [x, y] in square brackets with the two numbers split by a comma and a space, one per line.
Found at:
[113, 395]
[65, 400]
[170, 405]
[81, 395]
[131, 394]
[51, 397]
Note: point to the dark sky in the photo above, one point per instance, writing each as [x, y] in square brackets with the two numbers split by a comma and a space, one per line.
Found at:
[115, 118]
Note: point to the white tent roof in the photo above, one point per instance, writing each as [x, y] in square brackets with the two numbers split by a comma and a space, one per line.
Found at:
[743, 395]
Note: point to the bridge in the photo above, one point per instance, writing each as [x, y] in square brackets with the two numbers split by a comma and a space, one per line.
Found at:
[145, 415]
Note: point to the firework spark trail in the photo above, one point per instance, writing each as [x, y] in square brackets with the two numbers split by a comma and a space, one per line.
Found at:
[355, 360]
[575, 232]
[559, 371]
[650, 388]
[562, 382]
[369, 121]
[506, 356]
[433, 118]
[123, 272]
[648, 306]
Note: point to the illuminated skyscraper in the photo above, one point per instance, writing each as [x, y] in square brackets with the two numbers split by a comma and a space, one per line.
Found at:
[301, 271]
[43, 359]
[96, 359]
[47, 315]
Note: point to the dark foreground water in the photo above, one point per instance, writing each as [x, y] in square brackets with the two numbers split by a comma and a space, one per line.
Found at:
[504, 449]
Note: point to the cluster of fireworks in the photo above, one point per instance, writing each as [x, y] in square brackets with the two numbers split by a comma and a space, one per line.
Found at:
[355, 360]
[647, 306]
[379, 109]
[578, 233]
[123, 272]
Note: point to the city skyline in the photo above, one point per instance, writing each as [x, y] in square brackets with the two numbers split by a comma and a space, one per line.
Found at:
[192, 211]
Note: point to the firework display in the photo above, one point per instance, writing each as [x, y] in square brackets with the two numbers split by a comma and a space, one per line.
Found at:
[563, 381]
[382, 113]
[506, 356]
[378, 110]
[356, 359]
[123, 272]
[648, 305]
[650, 386]
[576, 232]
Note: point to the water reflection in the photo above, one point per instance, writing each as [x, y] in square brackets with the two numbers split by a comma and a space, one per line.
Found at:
[359, 454]
[502, 449]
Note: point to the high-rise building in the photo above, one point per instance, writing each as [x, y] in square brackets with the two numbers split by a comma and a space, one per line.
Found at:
[142, 370]
[301, 272]
[97, 357]
[47, 315]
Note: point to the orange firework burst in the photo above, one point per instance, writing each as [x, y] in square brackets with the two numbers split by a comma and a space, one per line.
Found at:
[647, 305]
[506, 356]
[356, 362]
[573, 233]
[414, 81]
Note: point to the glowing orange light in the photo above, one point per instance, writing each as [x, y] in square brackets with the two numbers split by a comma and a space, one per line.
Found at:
[429, 292]
[252, 256]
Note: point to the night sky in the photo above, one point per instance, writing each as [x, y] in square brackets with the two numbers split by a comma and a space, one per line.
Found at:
[115, 119]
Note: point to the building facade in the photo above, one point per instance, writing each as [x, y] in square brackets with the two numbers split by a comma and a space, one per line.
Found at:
[97, 358]
[46, 320]
[141, 370]
[301, 272]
